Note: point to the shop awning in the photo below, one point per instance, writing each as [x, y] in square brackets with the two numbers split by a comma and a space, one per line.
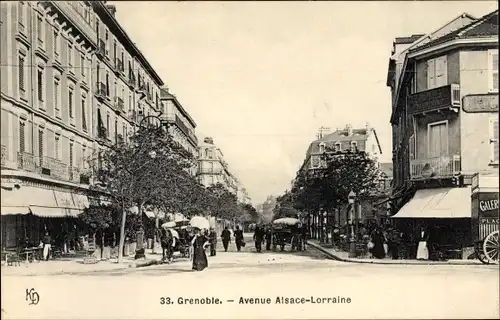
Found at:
[81, 201]
[441, 203]
[39, 201]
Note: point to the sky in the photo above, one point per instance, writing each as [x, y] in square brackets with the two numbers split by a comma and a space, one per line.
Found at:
[260, 78]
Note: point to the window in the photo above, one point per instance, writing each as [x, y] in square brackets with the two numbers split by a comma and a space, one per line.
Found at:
[354, 145]
[107, 84]
[22, 59]
[338, 147]
[84, 113]
[70, 56]
[437, 72]
[40, 86]
[493, 70]
[22, 141]
[21, 15]
[437, 139]
[40, 147]
[82, 64]
[107, 125]
[411, 143]
[107, 42]
[56, 43]
[314, 162]
[71, 154]
[56, 147]
[494, 140]
[116, 131]
[57, 98]
[321, 147]
[39, 29]
[124, 132]
[70, 102]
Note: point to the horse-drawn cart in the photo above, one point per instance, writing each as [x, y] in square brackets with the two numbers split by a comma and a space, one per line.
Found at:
[485, 218]
[286, 231]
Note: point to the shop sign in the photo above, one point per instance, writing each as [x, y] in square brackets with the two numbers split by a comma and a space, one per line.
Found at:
[488, 204]
[480, 103]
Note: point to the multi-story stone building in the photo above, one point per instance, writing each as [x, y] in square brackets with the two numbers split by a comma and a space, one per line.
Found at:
[445, 121]
[72, 81]
[181, 126]
[363, 140]
[213, 169]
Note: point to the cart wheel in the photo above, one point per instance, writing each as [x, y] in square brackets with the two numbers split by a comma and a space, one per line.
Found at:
[480, 254]
[491, 247]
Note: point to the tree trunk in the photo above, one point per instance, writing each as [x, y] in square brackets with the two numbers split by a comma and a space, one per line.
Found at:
[122, 234]
[157, 225]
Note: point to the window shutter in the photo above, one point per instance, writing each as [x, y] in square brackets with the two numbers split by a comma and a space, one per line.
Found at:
[22, 141]
[494, 70]
[21, 72]
[494, 140]
[84, 115]
[40, 147]
[431, 73]
[441, 71]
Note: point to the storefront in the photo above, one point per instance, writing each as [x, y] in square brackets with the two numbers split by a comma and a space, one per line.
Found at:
[29, 210]
[485, 206]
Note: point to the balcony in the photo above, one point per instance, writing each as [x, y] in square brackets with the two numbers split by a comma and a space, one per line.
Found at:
[209, 171]
[435, 100]
[119, 67]
[75, 19]
[435, 168]
[101, 49]
[47, 167]
[101, 91]
[119, 104]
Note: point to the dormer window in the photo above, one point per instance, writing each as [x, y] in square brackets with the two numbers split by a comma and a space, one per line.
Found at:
[338, 147]
[354, 145]
[321, 147]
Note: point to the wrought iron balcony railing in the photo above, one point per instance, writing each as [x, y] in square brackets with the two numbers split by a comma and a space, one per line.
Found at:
[435, 168]
[101, 90]
[119, 104]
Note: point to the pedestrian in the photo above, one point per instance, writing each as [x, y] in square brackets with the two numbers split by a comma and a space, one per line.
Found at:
[226, 238]
[258, 237]
[238, 238]
[378, 244]
[395, 243]
[213, 242]
[199, 243]
[422, 250]
[268, 238]
[47, 246]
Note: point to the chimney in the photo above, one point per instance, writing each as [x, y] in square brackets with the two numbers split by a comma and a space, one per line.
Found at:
[348, 128]
[323, 131]
[112, 9]
[208, 140]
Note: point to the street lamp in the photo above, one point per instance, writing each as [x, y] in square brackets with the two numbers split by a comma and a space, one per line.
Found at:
[351, 198]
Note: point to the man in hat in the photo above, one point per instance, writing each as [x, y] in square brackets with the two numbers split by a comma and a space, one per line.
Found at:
[212, 236]
[226, 238]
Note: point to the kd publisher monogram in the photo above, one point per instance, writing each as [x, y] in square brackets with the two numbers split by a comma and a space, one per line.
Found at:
[32, 296]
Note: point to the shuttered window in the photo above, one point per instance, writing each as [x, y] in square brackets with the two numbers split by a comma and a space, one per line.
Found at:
[57, 98]
[70, 102]
[56, 147]
[494, 140]
[22, 59]
[71, 154]
[40, 86]
[437, 72]
[40, 147]
[22, 141]
[84, 114]
[493, 68]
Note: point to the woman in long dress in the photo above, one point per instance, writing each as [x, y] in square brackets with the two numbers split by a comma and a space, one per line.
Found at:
[378, 240]
[422, 250]
[199, 244]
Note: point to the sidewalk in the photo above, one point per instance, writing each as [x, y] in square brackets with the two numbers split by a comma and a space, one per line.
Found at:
[75, 265]
[343, 256]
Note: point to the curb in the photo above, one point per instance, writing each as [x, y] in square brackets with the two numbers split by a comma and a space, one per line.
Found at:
[438, 263]
[145, 264]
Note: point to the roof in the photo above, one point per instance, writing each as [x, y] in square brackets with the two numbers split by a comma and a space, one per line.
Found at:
[100, 7]
[408, 40]
[342, 135]
[165, 95]
[484, 27]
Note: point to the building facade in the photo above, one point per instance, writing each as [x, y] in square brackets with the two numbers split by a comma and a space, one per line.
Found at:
[72, 82]
[363, 140]
[213, 169]
[181, 126]
[444, 116]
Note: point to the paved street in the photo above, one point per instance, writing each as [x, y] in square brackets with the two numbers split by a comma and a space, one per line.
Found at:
[388, 291]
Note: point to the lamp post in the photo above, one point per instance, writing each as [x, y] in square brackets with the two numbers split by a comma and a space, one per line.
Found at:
[351, 198]
[140, 250]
